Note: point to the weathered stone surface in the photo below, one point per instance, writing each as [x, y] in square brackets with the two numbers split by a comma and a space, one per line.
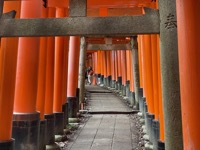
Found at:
[83, 26]
[170, 75]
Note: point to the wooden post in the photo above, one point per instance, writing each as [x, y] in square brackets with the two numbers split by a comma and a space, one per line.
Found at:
[8, 63]
[188, 50]
[26, 84]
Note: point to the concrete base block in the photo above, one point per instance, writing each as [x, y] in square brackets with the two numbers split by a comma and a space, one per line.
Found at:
[73, 120]
[142, 121]
[146, 137]
[148, 146]
[140, 114]
[155, 132]
[66, 131]
[52, 147]
[58, 138]
[83, 111]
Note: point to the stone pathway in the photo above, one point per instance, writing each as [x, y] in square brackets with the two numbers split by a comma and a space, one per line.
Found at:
[105, 131]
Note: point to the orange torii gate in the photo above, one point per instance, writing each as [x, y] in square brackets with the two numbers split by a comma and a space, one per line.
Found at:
[149, 23]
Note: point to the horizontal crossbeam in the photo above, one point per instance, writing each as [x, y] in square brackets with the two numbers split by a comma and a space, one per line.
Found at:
[108, 47]
[82, 26]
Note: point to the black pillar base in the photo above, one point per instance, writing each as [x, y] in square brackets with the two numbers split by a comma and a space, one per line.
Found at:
[116, 85]
[144, 106]
[145, 116]
[140, 95]
[50, 136]
[102, 79]
[127, 88]
[72, 107]
[77, 96]
[161, 145]
[26, 130]
[7, 145]
[98, 79]
[123, 90]
[156, 133]
[132, 99]
[134, 102]
[113, 82]
[119, 83]
[43, 130]
[105, 82]
[109, 81]
[59, 123]
[65, 111]
[150, 122]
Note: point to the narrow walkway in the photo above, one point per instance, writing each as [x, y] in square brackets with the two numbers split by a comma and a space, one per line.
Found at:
[107, 126]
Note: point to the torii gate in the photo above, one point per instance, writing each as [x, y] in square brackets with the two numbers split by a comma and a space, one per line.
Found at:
[161, 22]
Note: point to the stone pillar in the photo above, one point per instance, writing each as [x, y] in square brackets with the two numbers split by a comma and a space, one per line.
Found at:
[170, 75]
[82, 59]
[135, 61]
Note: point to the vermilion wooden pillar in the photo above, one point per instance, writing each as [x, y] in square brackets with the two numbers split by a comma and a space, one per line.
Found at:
[148, 75]
[65, 69]
[26, 83]
[96, 66]
[102, 66]
[113, 69]
[128, 71]
[108, 67]
[49, 116]
[161, 119]
[123, 70]
[140, 60]
[119, 69]
[105, 67]
[8, 63]
[142, 65]
[99, 66]
[58, 78]
[155, 75]
[40, 103]
[188, 44]
[132, 95]
[157, 122]
[116, 70]
[74, 50]
[64, 82]
[141, 94]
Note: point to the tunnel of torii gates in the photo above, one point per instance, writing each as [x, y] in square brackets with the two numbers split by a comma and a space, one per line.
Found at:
[146, 49]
